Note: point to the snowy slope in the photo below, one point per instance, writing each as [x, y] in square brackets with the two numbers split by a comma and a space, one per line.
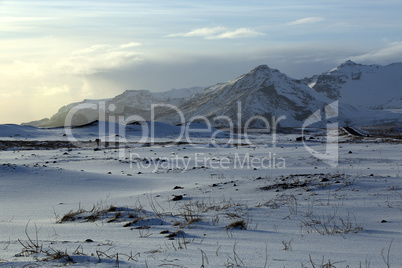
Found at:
[394, 103]
[107, 131]
[369, 86]
[11, 131]
[305, 215]
[176, 96]
[262, 92]
[268, 93]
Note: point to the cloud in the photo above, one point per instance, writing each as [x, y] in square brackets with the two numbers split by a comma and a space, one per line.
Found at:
[131, 44]
[200, 32]
[99, 58]
[391, 53]
[90, 50]
[82, 65]
[219, 33]
[306, 20]
[239, 33]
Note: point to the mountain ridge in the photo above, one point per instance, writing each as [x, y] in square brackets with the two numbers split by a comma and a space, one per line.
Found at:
[262, 85]
[368, 86]
[263, 92]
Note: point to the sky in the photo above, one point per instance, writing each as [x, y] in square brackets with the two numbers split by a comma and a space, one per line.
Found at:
[53, 53]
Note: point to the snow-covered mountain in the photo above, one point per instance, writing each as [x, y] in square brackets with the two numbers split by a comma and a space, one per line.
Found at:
[369, 86]
[365, 94]
[263, 92]
[130, 102]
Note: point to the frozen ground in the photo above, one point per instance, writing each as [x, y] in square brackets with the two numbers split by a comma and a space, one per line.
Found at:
[251, 205]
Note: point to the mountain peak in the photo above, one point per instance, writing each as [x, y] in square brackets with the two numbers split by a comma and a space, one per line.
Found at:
[134, 91]
[261, 68]
[348, 63]
[344, 67]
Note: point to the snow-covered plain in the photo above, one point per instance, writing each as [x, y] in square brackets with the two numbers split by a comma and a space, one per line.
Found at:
[256, 205]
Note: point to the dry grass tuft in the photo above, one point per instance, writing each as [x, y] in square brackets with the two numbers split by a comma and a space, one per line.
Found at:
[237, 225]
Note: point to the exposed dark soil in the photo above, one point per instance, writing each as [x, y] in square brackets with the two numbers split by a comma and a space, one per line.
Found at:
[42, 145]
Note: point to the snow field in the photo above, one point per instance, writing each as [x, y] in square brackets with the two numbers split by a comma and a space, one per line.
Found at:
[304, 214]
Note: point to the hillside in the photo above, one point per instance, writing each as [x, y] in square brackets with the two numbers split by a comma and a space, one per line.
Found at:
[363, 95]
[368, 86]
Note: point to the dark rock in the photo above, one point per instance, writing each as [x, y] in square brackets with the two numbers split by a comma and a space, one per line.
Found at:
[177, 198]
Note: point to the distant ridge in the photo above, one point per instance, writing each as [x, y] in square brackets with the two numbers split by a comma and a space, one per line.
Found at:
[366, 95]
